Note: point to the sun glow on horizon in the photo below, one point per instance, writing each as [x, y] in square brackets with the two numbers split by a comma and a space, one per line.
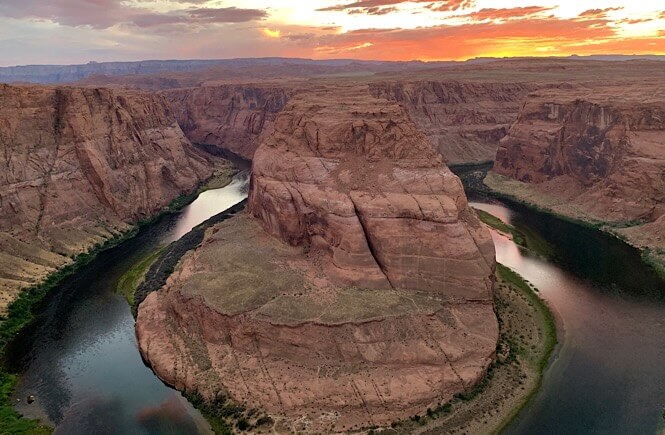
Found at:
[271, 33]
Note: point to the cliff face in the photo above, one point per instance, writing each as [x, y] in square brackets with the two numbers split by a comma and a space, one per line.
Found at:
[612, 149]
[231, 117]
[358, 290]
[78, 165]
[464, 121]
[598, 155]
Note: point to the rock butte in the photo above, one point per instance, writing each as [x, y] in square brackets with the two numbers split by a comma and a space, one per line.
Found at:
[121, 152]
[356, 291]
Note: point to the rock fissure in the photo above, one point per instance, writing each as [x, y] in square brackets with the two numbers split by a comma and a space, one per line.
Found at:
[370, 244]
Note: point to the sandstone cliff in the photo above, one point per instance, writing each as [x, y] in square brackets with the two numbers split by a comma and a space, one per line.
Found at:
[463, 120]
[230, 117]
[79, 165]
[596, 154]
[358, 290]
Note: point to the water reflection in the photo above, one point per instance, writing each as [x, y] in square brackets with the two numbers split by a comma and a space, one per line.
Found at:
[210, 203]
[608, 376]
[80, 358]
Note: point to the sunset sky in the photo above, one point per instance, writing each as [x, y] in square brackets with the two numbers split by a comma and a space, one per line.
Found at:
[78, 31]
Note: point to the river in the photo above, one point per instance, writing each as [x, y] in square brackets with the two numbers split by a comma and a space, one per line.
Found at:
[608, 373]
[80, 358]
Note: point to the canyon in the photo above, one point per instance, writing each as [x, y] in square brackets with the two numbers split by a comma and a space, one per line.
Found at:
[228, 117]
[357, 287]
[464, 121]
[81, 166]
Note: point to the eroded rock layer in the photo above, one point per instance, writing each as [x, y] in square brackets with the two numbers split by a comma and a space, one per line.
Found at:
[464, 121]
[595, 154]
[230, 117]
[357, 291]
[79, 166]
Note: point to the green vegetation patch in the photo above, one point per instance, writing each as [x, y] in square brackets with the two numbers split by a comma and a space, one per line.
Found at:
[501, 226]
[227, 417]
[11, 422]
[656, 260]
[549, 334]
[130, 280]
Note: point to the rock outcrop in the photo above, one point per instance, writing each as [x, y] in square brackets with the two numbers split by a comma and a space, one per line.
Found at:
[595, 154]
[463, 120]
[357, 291]
[350, 175]
[230, 117]
[78, 166]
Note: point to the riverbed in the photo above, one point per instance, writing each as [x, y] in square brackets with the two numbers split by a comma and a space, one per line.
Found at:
[80, 358]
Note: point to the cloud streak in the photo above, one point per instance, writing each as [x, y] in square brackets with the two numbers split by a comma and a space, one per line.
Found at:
[102, 14]
[381, 7]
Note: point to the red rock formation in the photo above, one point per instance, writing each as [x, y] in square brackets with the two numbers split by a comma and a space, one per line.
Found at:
[231, 117]
[610, 147]
[463, 120]
[378, 305]
[80, 165]
[356, 179]
[595, 154]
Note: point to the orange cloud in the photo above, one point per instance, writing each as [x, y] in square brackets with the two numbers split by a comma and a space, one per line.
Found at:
[525, 37]
[109, 30]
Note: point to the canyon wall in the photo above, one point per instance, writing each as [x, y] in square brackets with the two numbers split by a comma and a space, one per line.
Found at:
[596, 154]
[614, 149]
[79, 165]
[463, 120]
[356, 291]
[230, 117]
